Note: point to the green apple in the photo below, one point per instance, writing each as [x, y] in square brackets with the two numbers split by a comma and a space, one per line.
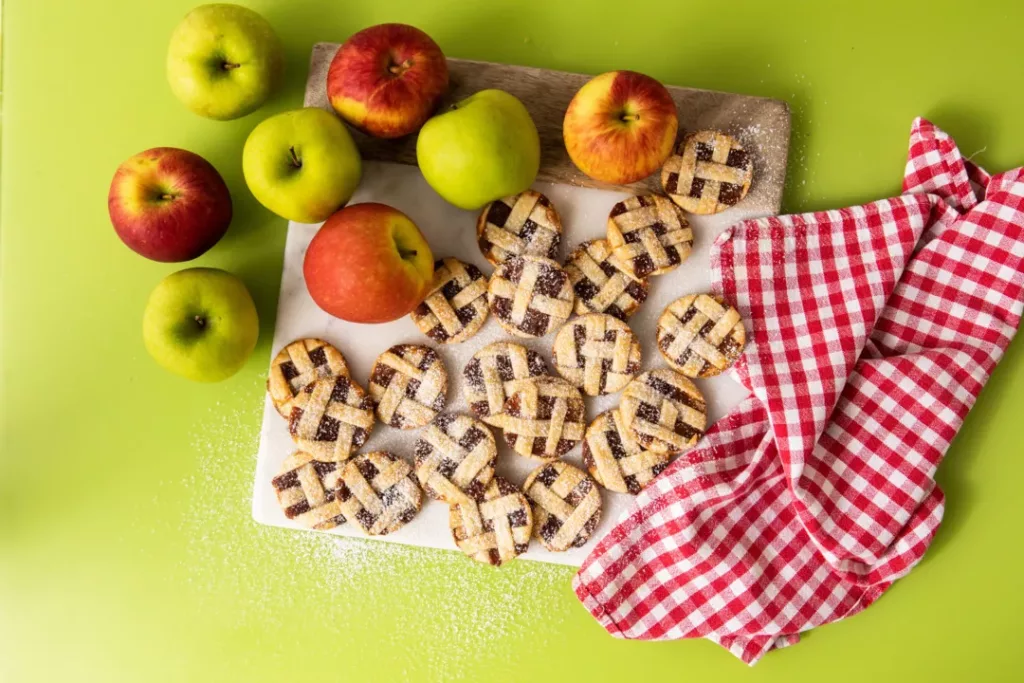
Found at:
[200, 323]
[224, 61]
[303, 165]
[484, 148]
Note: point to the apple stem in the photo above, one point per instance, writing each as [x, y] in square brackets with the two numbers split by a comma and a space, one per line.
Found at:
[296, 162]
[166, 197]
[200, 321]
[228, 66]
[630, 117]
[399, 68]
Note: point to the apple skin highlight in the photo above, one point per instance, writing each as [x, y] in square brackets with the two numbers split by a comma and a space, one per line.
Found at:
[387, 80]
[620, 127]
[169, 204]
[354, 266]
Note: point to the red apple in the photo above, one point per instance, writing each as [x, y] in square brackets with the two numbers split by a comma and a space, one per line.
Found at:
[368, 263]
[387, 79]
[620, 127]
[169, 204]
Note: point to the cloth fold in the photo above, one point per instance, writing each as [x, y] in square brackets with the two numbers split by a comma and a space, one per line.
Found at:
[873, 330]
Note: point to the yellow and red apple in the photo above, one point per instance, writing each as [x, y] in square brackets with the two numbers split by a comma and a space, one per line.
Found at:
[387, 79]
[620, 127]
[368, 263]
[169, 204]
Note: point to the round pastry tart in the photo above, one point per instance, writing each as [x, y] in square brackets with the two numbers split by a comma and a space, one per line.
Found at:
[455, 458]
[297, 365]
[543, 418]
[378, 493]
[566, 505]
[495, 527]
[331, 418]
[597, 353]
[708, 173]
[615, 459]
[409, 385]
[492, 374]
[664, 411]
[530, 296]
[524, 224]
[601, 283]
[649, 235]
[306, 491]
[700, 335]
[456, 307]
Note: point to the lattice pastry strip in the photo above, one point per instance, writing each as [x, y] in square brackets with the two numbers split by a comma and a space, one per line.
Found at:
[495, 527]
[597, 353]
[297, 365]
[331, 418]
[456, 308]
[455, 458]
[649, 235]
[566, 505]
[543, 418]
[530, 296]
[664, 411]
[615, 459]
[409, 385]
[523, 224]
[700, 335]
[601, 282]
[306, 491]
[708, 173]
[378, 492]
[492, 373]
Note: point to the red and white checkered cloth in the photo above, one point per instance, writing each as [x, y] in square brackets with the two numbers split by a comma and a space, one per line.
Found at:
[874, 329]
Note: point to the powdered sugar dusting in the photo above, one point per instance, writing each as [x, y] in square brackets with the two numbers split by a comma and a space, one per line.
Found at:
[459, 610]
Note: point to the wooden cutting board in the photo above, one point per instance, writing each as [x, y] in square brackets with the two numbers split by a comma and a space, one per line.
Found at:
[546, 95]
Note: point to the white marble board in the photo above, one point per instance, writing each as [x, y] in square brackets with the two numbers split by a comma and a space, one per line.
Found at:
[451, 232]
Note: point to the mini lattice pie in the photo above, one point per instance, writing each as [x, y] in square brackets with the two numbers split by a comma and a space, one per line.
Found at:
[566, 505]
[455, 458]
[378, 492]
[530, 296]
[649, 235]
[306, 490]
[614, 458]
[495, 527]
[456, 307]
[708, 173]
[409, 385]
[601, 283]
[296, 365]
[664, 411]
[523, 224]
[700, 336]
[331, 418]
[543, 418]
[492, 373]
[597, 353]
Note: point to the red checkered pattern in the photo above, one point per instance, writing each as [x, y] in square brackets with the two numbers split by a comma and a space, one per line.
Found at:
[874, 329]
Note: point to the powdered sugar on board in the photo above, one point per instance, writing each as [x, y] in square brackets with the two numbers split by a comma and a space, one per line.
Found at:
[451, 232]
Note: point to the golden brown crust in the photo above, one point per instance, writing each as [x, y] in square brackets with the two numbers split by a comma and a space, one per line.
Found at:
[700, 335]
[566, 505]
[297, 365]
[709, 172]
[649, 235]
[525, 224]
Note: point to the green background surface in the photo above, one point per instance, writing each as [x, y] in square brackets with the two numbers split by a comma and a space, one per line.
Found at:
[127, 552]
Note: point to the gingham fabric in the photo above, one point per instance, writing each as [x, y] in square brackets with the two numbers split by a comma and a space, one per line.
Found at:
[874, 329]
